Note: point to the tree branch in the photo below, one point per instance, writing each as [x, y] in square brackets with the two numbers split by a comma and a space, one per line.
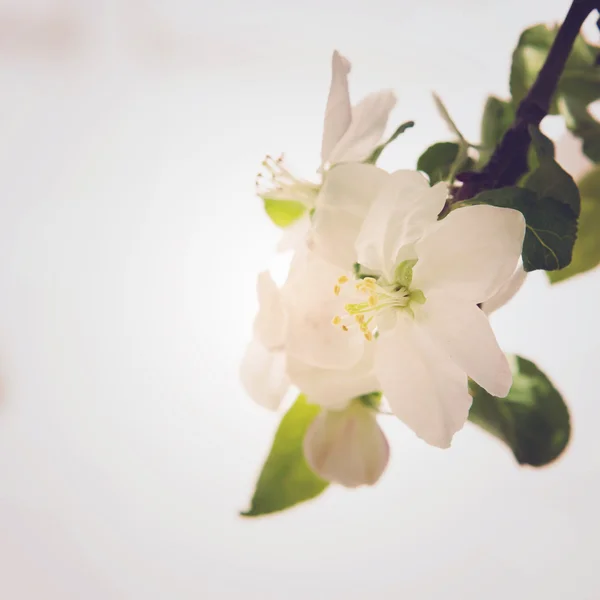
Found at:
[509, 161]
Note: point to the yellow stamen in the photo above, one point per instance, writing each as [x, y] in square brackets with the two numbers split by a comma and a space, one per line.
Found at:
[336, 320]
[368, 336]
[342, 279]
[373, 300]
[337, 290]
[344, 328]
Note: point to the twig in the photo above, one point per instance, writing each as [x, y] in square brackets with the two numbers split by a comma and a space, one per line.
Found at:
[509, 161]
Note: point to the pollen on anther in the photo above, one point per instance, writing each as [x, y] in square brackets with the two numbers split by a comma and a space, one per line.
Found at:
[372, 300]
[336, 290]
[368, 336]
[336, 320]
[344, 327]
[343, 279]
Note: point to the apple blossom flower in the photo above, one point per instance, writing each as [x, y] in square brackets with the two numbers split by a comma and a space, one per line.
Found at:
[421, 282]
[288, 345]
[344, 444]
[350, 133]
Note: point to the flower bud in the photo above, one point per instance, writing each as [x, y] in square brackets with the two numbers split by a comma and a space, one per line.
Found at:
[347, 446]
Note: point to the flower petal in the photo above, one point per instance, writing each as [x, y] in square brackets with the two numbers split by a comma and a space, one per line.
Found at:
[311, 305]
[506, 292]
[423, 387]
[369, 120]
[295, 234]
[334, 388]
[338, 113]
[347, 447]
[263, 375]
[403, 209]
[269, 324]
[471, 253]
[464, 333]
[344, 200]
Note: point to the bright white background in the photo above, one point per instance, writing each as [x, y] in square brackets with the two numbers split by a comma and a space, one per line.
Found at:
[130, 135]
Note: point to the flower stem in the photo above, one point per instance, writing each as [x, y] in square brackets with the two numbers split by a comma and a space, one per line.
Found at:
[509, 161]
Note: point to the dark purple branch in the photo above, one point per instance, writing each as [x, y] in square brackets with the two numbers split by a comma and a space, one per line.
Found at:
[509, 161]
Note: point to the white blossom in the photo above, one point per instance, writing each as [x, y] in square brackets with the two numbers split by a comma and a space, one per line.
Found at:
[293, 340]
[350, 133]
[344, 444]
[419, 304]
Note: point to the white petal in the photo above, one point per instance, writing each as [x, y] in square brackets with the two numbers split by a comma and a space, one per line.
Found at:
[423, 387]
[269, 325]
[295, 234]
[342, 204]
[311, 305]
[334, 388]
[347, 447]
[333, 236]
[369, 120]
[506, 292]
[471, 253]
[464, 333]
[263, 375]
[403, 209]
[338, 113]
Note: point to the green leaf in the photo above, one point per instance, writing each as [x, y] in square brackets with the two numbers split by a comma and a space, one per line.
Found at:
[589, 184]
[286, 479]
[532, 420]
[439, 160]
[527, 60]
[586, 253]
[372, 400]
[582, 84]
[550, 180]
[443, 111]
[284, 212]
[377, 152]
[580, 78]
[543, 146]
[583, 125]
[551, 226]
[497, 118]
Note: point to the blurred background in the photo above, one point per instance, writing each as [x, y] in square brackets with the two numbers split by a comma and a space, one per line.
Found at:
[130, 238]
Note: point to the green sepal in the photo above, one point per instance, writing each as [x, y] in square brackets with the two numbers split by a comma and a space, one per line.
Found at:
[283, 212]
[372, 159]
[404, 272]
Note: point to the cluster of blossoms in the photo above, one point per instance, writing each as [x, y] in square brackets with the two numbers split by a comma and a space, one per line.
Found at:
[382, 299]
